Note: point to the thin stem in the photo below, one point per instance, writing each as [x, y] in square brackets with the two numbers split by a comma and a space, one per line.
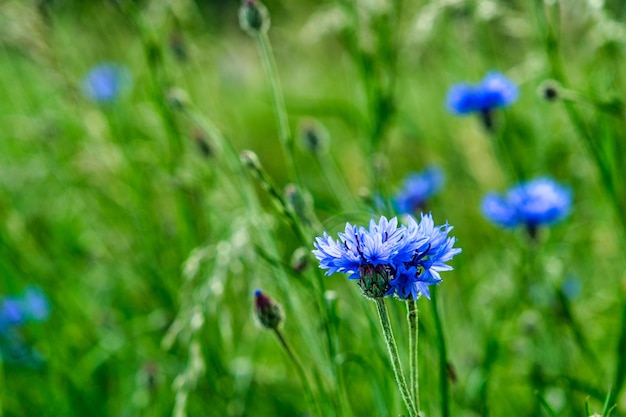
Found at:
[443, 359]
[284, 133]
[412, 316]
[620, 367]
[299, 369]
[392, 348]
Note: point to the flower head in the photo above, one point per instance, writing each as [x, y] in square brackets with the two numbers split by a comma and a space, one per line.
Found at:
[417, 189]
[105, 82]
[15, 311]
[494, 91]
[11, 314]
[533, 203]
[389, 259]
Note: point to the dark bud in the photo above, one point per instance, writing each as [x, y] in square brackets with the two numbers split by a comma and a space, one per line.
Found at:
[177, 46]
[313, 136]
[202, 144]
[254, 18]
[550, 91]
[451, 372]
[151, 373]
[300, 260]
[268, 312]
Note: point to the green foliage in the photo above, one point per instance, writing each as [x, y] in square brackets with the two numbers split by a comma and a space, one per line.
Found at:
[139, 221]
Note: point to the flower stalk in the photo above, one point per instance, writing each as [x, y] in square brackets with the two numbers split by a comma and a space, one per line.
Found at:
[412, 316]
[392, 348]
[299, 369]
[284, 132]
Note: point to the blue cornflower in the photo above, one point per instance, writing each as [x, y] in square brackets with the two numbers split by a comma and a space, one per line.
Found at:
[417, 189]
[494, 91]
[533, 203]
[11, 314]
[35, 304]
[370, 256]
[389, 259]
[14, 313]
[105, 82]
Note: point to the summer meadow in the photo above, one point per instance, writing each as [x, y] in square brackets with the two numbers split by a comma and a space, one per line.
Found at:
[332, 208]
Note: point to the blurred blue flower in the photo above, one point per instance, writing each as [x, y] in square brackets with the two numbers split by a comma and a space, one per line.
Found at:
[11, 314]
[389, 259]
[105, 82]
[417, 188]
[494, 91]
[533, 203]
[15, 311]
[35, 304]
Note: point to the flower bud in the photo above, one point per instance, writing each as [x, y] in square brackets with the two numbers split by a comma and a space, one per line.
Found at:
[250, 160]
[253, 17]
[374, 281]
[313, 136]
[177, 98]
[202, 144]
[300, 260]
[297, 203]
[550, 90]
[268, 312]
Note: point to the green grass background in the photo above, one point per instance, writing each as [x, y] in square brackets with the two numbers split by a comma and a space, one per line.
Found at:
[149, 251]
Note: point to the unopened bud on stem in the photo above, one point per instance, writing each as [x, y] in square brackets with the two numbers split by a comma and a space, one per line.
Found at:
[268, 311]
[254, 18]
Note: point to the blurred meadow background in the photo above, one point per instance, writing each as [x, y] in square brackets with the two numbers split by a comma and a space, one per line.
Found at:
[133, 235]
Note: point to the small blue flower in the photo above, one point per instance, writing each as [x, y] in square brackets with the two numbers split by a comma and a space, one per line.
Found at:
[105, 82]
[417, 189]
[533, 203]
[389, 259]
[35, 304]
[11, 314]
[494, 91]
[15, 311]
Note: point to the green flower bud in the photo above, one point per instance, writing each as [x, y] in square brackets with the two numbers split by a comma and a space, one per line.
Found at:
[374, 281]
[254, 17]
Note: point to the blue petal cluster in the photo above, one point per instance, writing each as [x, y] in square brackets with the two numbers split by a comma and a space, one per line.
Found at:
[105, 82]
[533, 203]
[407, 259]
[31, 306]
[494, 91]
[417, 188]
[15, 311]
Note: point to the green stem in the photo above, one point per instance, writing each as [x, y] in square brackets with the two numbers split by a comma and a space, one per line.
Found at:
[390, 341]
[620, 368]
[299, 369]
[286, 139]
[443, 359]
[412, 316]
